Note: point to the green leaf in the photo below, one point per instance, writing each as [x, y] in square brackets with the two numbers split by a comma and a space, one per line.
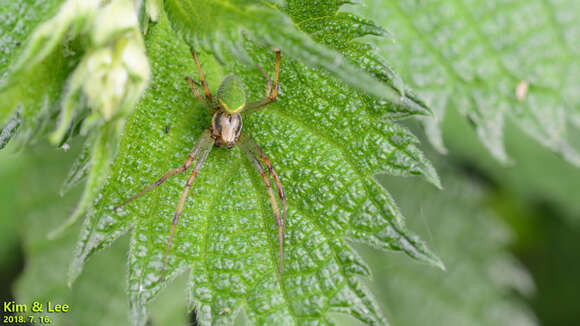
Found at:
[97, 295]
[18, 19]
[79, 169]
[98, 48]
[10, 172]
[325, 139]
[37, 104]
[472, 55]
[103, 148]
[218, 25]
[483, 284]
[557, 184]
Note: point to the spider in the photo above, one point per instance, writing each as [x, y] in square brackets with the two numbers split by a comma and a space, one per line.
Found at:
[227, 108]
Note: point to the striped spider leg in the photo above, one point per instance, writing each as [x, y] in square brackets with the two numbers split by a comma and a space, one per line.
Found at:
[257, 157]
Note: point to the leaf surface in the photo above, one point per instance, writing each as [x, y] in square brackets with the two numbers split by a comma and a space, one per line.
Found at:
[218, 25]
[475, 55]
[18, 20]
[326, 141]
[98, 297]
[484, 283]
[35, 92]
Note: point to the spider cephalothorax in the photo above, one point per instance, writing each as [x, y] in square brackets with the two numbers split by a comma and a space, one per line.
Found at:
[226, 130]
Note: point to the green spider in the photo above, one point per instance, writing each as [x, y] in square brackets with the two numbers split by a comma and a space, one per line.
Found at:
[227, 111]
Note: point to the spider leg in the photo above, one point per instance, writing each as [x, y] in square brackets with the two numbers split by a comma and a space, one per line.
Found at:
[274, 93]
[186, 165]
[158, 182]
[269, 81]
[281, 193]
[206, 143]
[261, 155]
[193, 84]
[271, 91]
[256, 155]
[201, 76]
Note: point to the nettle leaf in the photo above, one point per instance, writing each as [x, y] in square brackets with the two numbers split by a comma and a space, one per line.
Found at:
[86, 65]
[23, 104]
[96, 296]
[484, 283]
[326, 141]
[18, 20]
[218, 24]
[492, 60]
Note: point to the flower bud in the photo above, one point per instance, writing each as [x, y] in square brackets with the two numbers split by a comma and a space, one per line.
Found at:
[116, 76]
[114, 71]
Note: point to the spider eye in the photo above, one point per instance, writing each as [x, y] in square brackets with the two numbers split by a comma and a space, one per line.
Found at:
[231, 95]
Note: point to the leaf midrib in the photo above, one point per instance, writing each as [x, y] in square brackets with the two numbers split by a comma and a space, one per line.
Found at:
[328, 238]
[210, 207]
[259, 198]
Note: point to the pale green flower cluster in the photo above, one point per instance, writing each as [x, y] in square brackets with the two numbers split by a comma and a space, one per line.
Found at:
[112, 73]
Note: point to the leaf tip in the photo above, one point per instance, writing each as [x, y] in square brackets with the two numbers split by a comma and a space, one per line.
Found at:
[432, 259]
[439, 264]
[58, 232]
[431, 175]
[74, 271]
[138, 313]
[418, 106]
[434, 180]
[569, 153]
[434, 134]
[418, 249]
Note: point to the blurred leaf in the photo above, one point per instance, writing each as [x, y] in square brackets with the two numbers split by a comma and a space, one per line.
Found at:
[478, 286]
[326, 142]
[474, 55]
[99, 296]
[550, 249]
[17, 20]
[539, 175]
[103, 146]
[98, 48]
[42, 280]
[11, 170]
[36, 104]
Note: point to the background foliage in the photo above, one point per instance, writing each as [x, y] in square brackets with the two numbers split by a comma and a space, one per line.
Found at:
[487, 213]
[471, 55]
